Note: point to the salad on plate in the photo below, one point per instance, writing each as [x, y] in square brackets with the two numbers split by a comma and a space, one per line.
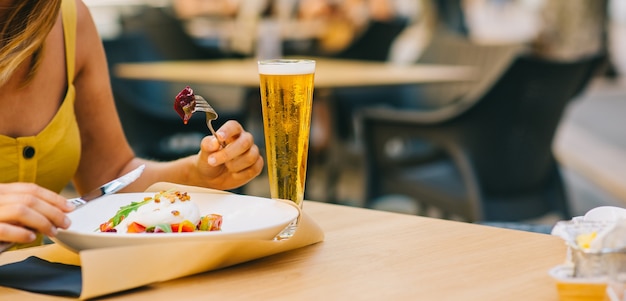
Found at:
[166, 212]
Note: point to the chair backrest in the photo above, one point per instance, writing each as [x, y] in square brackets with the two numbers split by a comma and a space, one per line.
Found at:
[445, 48]
[509, 131]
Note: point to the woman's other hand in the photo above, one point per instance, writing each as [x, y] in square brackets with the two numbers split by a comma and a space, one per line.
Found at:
[26, 209]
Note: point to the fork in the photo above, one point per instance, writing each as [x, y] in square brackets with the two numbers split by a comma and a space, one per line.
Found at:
[203, 106]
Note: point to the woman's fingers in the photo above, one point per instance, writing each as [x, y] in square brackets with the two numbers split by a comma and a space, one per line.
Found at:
[33, 214]
[38, 192]
[27, 208]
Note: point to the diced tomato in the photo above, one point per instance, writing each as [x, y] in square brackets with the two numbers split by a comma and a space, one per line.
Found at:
[185, 226]
[136, 228]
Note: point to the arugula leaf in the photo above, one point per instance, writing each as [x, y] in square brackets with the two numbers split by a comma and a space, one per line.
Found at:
[126, 210]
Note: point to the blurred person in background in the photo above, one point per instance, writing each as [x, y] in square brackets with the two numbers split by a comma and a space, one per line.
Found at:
[572, 29]
[554, 29]
[59, 123]
[242, 17]
[346, 20]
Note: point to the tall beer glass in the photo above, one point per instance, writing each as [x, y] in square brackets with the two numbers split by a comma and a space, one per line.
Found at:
[287, 96]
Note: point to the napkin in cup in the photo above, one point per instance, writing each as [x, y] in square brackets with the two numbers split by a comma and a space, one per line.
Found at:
[595, 243]
[591, 237]
[100, 268]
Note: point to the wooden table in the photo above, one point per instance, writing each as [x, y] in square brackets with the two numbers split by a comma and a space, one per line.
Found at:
[329, 73]
[376, 255]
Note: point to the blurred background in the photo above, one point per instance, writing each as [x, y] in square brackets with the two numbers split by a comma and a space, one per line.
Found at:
[589, 143]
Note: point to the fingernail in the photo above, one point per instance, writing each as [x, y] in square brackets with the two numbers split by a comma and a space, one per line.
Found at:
[70, 205]
[53, 231]
[32, 237]
[212, 161]
[67, 222]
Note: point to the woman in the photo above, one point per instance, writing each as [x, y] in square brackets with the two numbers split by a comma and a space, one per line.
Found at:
[58, 123]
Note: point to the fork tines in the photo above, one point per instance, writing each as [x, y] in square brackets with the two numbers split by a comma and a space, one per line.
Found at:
[202, 104]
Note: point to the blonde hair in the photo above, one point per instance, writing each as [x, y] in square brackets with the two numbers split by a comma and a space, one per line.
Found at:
[23, 32]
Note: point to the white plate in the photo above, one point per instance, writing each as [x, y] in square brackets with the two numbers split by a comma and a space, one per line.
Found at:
[243, 217]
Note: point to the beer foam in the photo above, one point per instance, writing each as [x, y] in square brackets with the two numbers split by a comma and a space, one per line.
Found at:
[286, 67]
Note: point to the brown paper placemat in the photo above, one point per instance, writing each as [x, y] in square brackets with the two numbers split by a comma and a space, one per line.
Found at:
[111, 270]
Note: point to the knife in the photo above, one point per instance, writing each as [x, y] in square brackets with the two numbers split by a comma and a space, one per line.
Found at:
[106, 189]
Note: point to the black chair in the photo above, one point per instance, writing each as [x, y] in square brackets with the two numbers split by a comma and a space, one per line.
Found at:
[482, 159]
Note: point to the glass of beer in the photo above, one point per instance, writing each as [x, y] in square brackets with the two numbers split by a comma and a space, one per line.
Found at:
[287, 97]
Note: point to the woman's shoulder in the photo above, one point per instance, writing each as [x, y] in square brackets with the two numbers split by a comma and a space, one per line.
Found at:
[88, 42]
[82, 12]
[85, 27]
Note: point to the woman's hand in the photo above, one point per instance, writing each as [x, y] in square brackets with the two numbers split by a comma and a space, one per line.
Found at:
[26, 209]
[230, 167]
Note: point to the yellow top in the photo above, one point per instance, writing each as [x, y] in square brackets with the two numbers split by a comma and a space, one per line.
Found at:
[51, 157]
